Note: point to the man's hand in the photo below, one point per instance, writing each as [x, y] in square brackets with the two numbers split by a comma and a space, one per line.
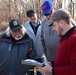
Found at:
[47, 69]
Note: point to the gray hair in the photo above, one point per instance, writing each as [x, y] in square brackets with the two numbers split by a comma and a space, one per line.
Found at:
[8, 31]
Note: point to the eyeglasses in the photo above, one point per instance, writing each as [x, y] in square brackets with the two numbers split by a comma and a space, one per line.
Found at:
[48, 14]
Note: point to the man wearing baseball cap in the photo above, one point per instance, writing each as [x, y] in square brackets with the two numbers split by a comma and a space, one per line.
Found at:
[33, 29]
[49, 38]
[15, 45]
[65, 60]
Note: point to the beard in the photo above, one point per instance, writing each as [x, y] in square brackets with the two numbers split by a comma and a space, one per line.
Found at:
[60, 32]
[18, 38]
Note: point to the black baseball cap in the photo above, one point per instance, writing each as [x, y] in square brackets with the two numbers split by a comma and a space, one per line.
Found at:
[14, 24]
[29, 13]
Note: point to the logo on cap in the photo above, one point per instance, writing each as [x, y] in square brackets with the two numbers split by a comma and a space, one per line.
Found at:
[43, 7]
[15, 23]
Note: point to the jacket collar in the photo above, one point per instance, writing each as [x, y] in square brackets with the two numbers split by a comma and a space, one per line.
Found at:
[69, 32]
[5, 38]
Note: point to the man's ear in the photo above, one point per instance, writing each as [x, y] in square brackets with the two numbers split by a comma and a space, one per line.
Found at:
[62, 23]
[54, 7]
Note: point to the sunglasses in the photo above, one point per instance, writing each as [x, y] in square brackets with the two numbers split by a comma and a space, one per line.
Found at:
[48, 14]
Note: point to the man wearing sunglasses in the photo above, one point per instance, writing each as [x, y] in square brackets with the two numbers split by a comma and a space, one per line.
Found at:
[49, 37]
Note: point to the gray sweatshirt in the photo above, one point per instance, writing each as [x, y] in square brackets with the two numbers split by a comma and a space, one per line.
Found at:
[49, 40]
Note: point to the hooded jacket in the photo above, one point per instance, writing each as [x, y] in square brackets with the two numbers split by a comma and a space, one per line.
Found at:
[36, 38]
[11, 55]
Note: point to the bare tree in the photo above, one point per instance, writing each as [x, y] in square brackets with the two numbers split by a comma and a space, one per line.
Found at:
[17, 8]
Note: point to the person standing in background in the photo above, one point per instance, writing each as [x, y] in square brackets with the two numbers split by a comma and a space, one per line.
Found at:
[49, 38]
[33, 29]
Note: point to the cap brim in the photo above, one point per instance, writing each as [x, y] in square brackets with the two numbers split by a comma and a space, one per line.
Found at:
[46, 11]
[49, 23]
[15, 28]
[31, 14]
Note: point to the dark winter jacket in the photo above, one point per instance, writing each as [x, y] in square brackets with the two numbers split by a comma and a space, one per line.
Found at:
[12, 54]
